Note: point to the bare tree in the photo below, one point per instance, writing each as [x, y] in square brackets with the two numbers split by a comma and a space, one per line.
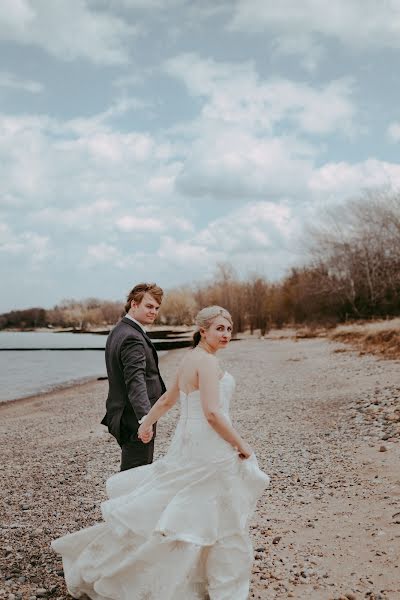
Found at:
[178, 307]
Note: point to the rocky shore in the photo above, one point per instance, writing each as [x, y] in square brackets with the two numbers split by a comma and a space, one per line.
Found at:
[325, 425]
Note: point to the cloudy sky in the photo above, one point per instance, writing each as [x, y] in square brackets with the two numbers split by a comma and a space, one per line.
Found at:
[152, 139]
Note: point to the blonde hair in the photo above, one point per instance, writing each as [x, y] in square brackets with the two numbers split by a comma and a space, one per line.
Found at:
[205, 317]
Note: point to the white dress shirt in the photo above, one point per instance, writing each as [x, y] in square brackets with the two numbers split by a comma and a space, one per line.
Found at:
[137, 322]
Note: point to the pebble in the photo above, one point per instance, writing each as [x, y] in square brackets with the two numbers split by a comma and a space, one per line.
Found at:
[276, 539]
[396, 518]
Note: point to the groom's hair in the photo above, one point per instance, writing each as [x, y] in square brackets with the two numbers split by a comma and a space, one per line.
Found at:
[136, 294]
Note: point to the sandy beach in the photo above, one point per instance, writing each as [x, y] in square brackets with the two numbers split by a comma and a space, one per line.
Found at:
[322, 420]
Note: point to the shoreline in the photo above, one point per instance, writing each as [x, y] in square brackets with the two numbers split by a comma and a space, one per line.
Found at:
[43, 394]
[77, 383]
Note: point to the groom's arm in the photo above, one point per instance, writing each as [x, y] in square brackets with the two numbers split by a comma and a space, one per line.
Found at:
[133, 357]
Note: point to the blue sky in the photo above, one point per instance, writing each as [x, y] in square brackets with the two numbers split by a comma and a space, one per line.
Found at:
[152, 139]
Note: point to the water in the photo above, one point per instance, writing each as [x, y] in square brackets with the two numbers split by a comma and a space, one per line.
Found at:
[27, 372]
[49, 339]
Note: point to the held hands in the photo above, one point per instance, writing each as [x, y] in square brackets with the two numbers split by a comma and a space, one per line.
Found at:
[145, 433]
[245, 451]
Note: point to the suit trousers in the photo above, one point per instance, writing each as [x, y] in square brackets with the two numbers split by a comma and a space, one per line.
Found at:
[135, 454]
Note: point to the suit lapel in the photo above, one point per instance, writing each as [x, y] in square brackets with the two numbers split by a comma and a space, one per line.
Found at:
[145, 336]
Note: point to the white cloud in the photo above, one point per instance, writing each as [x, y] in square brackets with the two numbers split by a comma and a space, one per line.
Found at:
[16, 14]
[10, 81]
[187, 253]
[96, 192]
[81, 217]
[393, 132]
[188, 13]
[299, 45]
[29, 245]
[244, 237]
[110, 147]
[67, 30]
[145, 4]
[140, 225]
[254, 227]
[341, 180]
[36, 246]
[164, 184]
[229, 164]
[50, 163]
[24, 156]
[236, 150]
[101, 253]
[106, 255]
[133, 79]
[359, 23]
[235, 94]
[8, 242]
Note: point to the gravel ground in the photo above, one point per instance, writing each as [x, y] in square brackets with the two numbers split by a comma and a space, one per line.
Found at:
[325, 425]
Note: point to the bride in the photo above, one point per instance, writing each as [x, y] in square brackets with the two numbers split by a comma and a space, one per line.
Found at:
[177, 529]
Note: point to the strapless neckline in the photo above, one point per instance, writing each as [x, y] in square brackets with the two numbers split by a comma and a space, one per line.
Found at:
[194, 391]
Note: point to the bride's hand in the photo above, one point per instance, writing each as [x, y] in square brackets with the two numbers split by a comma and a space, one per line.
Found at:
[145, 434]
[245, 451]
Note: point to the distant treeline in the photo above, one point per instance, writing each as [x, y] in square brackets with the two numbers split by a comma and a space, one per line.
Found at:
[353, 273]
[82, 315]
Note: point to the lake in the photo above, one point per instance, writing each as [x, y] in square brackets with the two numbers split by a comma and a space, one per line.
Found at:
[48, 360]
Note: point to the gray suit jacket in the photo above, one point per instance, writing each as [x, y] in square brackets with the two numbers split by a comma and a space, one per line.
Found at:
[134, 379]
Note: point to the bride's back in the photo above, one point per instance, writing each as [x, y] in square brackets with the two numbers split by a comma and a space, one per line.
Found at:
[188, 374]
[188, 371]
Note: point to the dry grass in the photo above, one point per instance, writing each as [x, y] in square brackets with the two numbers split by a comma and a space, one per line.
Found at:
[309, 332]
[377, 337]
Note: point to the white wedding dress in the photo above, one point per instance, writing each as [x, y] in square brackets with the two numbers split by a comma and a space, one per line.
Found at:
[176, 529]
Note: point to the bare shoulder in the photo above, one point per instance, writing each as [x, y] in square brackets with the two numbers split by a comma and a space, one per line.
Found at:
[206, 361]
[185, 361]
[186, 364]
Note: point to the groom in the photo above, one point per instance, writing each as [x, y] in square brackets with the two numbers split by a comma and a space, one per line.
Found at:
[135, 383]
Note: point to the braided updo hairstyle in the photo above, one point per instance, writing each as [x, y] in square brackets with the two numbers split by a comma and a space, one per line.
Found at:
[205, 317]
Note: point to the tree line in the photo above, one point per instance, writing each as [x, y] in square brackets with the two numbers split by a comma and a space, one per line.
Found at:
[80, 315]
[353, 272]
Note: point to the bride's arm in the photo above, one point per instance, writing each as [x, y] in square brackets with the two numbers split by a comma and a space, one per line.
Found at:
[209, 395]
[163, 404]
